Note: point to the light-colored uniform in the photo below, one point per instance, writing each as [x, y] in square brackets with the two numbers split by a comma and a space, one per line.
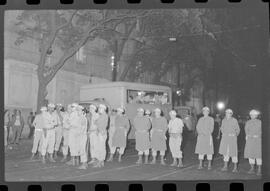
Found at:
[111, 133]
[74, 134]
[253, 148]
[50, 121]
[102, 123]
[38, 123]
[120, 135]
[83, 139]
[93, 135]
[204, 145]
[66, 127]
[228, 145]
[58, 131]
[175, 129]
[142, 124]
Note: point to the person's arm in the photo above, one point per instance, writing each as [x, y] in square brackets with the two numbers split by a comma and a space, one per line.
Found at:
[237, 128]
[211, 125]
[29, 120]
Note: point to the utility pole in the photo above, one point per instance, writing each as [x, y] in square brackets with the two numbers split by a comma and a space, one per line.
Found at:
[114, 61]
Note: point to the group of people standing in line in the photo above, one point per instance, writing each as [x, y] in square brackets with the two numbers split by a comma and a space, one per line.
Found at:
[82, 133]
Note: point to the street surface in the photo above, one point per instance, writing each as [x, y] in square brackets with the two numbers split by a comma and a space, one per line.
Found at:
[18, 167]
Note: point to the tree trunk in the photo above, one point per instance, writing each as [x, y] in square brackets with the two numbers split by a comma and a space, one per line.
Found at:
[41, 94]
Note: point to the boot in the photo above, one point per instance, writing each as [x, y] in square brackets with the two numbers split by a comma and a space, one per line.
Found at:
[92, 161]
[146, 159]
[162, 161]
[200, 165]
[174, 162]
[83, 166]
[64, 159]
[209, 165]
[251, 170]
[111, 158]
[99, 164]
[154, 160]
[225, 167]
[235, 168]
[71, 162]
[259, 171]
[32, 156]
[43, 160]
[139, 161]
[180, 164]
[51, 158]
[120, 158]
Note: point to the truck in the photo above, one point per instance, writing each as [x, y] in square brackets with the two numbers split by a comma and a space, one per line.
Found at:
[128, 95]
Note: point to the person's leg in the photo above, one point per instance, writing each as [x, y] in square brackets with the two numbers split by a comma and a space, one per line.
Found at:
[173, 150]
[209, 158]
[5, 135]
[51, 142]
[15, 132]
[139, 161]
[146, 155]
[162, 154]
[252, 164]
[121, 152]
[154, 155]
[83, 155]
[259, 164]
[201, 157]
[65, 145]
[58, 139]
[235, 161]
[35, 145]
[44, 148]
[226, 161]
[112, 152]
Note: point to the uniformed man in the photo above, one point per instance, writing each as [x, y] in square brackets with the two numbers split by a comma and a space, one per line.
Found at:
[119, 138]
[228, 145]
[253, 147]
[38, 124]
[93, 134]
[158, 136]
[204, 146]
[66, 127]
[82, 138]
[142, 126]
[101, 123]
[175, 131]
[50, 122]
[148, 114]
[58, 128]
[73, 139]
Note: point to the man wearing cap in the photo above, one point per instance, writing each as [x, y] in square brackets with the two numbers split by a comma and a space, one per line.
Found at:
[82, 138]
[148, 114]
[38, 124]
[73, 139]
[253, 147]
[58, 129]
[50, 122]
[228, 145]
[142, 126]
[204, 146]
[175, 131]
[101, 123]
[158, 136]
[93, 134]
[66, 127]
[119, 138]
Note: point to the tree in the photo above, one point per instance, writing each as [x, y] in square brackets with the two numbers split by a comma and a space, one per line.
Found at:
[65, 32]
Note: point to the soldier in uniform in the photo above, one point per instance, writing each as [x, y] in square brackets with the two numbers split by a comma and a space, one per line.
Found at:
[82, 138]
[38, 124]
[204, 146]
[66, 127]
[50, 122]
[111, 132]
[101, 123]
[142, 126]
[58, 129]
[253, 147]
[158, 136]
[73, 139]
[175, 131]
[119, 138]
[93, 134]
[228, 145]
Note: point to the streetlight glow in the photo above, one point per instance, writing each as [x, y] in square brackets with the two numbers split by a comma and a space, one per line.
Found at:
[220, 105]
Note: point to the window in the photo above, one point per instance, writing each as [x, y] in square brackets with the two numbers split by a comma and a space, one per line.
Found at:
[147, 97]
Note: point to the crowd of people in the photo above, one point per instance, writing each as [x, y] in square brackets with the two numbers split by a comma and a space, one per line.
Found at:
[82, 132]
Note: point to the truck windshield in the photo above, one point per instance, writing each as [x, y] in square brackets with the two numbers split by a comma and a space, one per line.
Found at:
[147, 97]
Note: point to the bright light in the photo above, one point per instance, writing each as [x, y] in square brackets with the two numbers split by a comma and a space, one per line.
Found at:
[178, 92]
[172, 39]
[220, 105]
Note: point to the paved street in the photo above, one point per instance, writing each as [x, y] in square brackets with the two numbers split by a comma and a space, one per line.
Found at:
[20, 168]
